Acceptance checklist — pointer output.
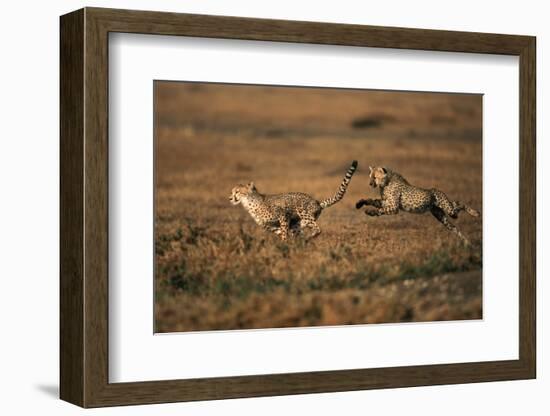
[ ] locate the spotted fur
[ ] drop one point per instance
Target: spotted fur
(397, 194)
(287, 213)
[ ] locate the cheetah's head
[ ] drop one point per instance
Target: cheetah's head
(241, 191)
(379, 176)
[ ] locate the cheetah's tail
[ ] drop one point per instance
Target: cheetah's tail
(343, 186)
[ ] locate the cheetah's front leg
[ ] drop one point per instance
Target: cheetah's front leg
(372, 202)
(283, 227)
(376, 212)
(384, 207)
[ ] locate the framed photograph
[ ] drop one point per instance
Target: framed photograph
(255, 207)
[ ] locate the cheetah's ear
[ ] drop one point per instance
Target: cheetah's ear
(370, 169)
(384, 170)
(251, 186)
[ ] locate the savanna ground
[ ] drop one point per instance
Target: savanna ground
(216, 269)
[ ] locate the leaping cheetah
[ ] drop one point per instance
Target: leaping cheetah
(292, 211)
(397, 194)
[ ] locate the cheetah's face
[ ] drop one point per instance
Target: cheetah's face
(241, 191)
(378, 176)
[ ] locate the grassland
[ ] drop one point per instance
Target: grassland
(215, 269)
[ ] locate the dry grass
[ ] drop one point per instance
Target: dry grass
(215, 269)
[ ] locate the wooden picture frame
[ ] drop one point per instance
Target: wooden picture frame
(84, 207)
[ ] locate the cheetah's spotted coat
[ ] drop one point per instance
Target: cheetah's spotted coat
(397, 194)
(289, 212)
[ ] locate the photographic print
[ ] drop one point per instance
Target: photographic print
(282, 206)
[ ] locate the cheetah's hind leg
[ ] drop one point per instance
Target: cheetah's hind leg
(310, 222)
(444, 219)
(451, 208)
(459, 206)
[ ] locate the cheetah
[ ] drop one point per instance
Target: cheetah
(289, 212)
(397, 194)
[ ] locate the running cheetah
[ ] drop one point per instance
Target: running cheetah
(289, 212)
(397, 194)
